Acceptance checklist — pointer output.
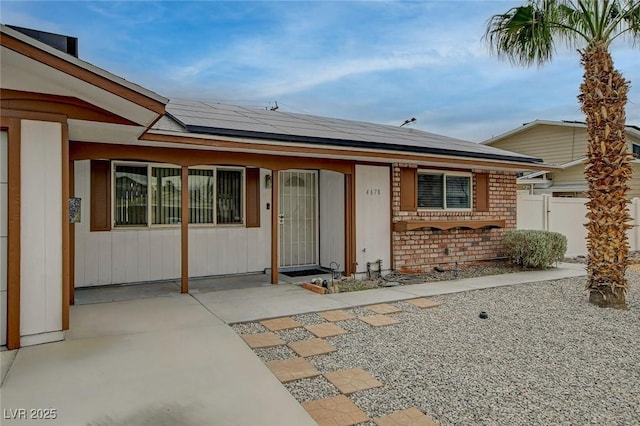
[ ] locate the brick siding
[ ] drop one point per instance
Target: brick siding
(423, 249)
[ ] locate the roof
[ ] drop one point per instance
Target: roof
(559, 166)
(199, 117)
(7, 31)
(631, 129)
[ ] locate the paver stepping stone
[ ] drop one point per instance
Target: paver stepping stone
(379, 320)
(326, 329)
(409, 417)
(280, 323)
(262, 340)
(335, 411)
(337, 315)
(311, 347)
(352, 380)
(292, 369)
(424, 303)
(383, 308)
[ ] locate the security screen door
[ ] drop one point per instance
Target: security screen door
(298, 218)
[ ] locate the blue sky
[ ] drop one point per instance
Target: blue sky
(382, 61)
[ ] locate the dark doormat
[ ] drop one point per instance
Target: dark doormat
(305, 272)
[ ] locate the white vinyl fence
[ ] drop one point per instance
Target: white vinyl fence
(568, 216)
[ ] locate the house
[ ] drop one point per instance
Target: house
(179, 189)
(563, 144)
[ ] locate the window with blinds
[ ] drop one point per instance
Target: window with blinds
(148, 193)
(229, 196)
(130, 195)
(166, 190)
(430, 191)
(444, 191)
(201, 201)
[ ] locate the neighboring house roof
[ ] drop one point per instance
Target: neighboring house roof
(631, 129)
(198, 117)
(559, 166)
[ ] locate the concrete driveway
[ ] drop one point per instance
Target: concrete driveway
(160, 361)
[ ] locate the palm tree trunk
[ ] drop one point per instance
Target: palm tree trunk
(603, 95)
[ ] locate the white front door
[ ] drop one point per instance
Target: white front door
(298, 218)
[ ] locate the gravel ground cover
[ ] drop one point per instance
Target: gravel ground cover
(394, 278)
(545, 356)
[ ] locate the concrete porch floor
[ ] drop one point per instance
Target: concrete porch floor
(173, 360)
(113, 293)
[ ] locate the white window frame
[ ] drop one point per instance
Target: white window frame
(444, 174)
(150, 225)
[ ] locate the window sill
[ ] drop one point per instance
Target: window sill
(447, 224)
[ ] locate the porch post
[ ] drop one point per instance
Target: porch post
(13, 231)
(275, 226)
(184, 229)
(66, 228)
(72, 238)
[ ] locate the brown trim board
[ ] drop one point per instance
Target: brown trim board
(195, 157)
(12, 126)
(54, 104)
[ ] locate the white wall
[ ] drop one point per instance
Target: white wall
(568, 216)
(531, 212)
(4, 144)
(41, 232)
(331, 218)
(373, 216)
(127, 256)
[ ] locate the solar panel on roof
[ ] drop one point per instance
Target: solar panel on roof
(213, 118)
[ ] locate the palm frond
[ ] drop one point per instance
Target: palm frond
(522, 35)
(526, 34)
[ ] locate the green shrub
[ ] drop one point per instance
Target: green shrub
(534, 249)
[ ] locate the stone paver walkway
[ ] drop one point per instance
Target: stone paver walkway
(336, 411)
(283, 323)
(409, 417)
(379, 320)
(288, 370)
(325, 330)
(311, 347)
(337, 315)
(352, 380)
